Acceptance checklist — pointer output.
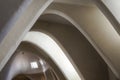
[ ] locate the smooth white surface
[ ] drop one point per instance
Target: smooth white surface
(93, 24)
(55, 53)
(114, 7)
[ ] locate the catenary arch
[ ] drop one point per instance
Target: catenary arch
(52, 49)
(72, 31)
(85, 34)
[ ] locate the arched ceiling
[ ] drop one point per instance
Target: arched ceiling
(96, 27)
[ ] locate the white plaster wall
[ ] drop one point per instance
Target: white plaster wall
(96, 28)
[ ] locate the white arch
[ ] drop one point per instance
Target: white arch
(88, 36)
(53, 50)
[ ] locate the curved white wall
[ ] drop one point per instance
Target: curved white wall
(96, 28)
(54, 51)
(88, 19)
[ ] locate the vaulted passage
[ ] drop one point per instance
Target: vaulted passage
(88, 61)
(28, 63)
(59, 40)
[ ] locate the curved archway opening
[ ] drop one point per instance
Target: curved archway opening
(55, 52)
(80, 50)
(83, 54)
(32, 63)
(99, 28)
